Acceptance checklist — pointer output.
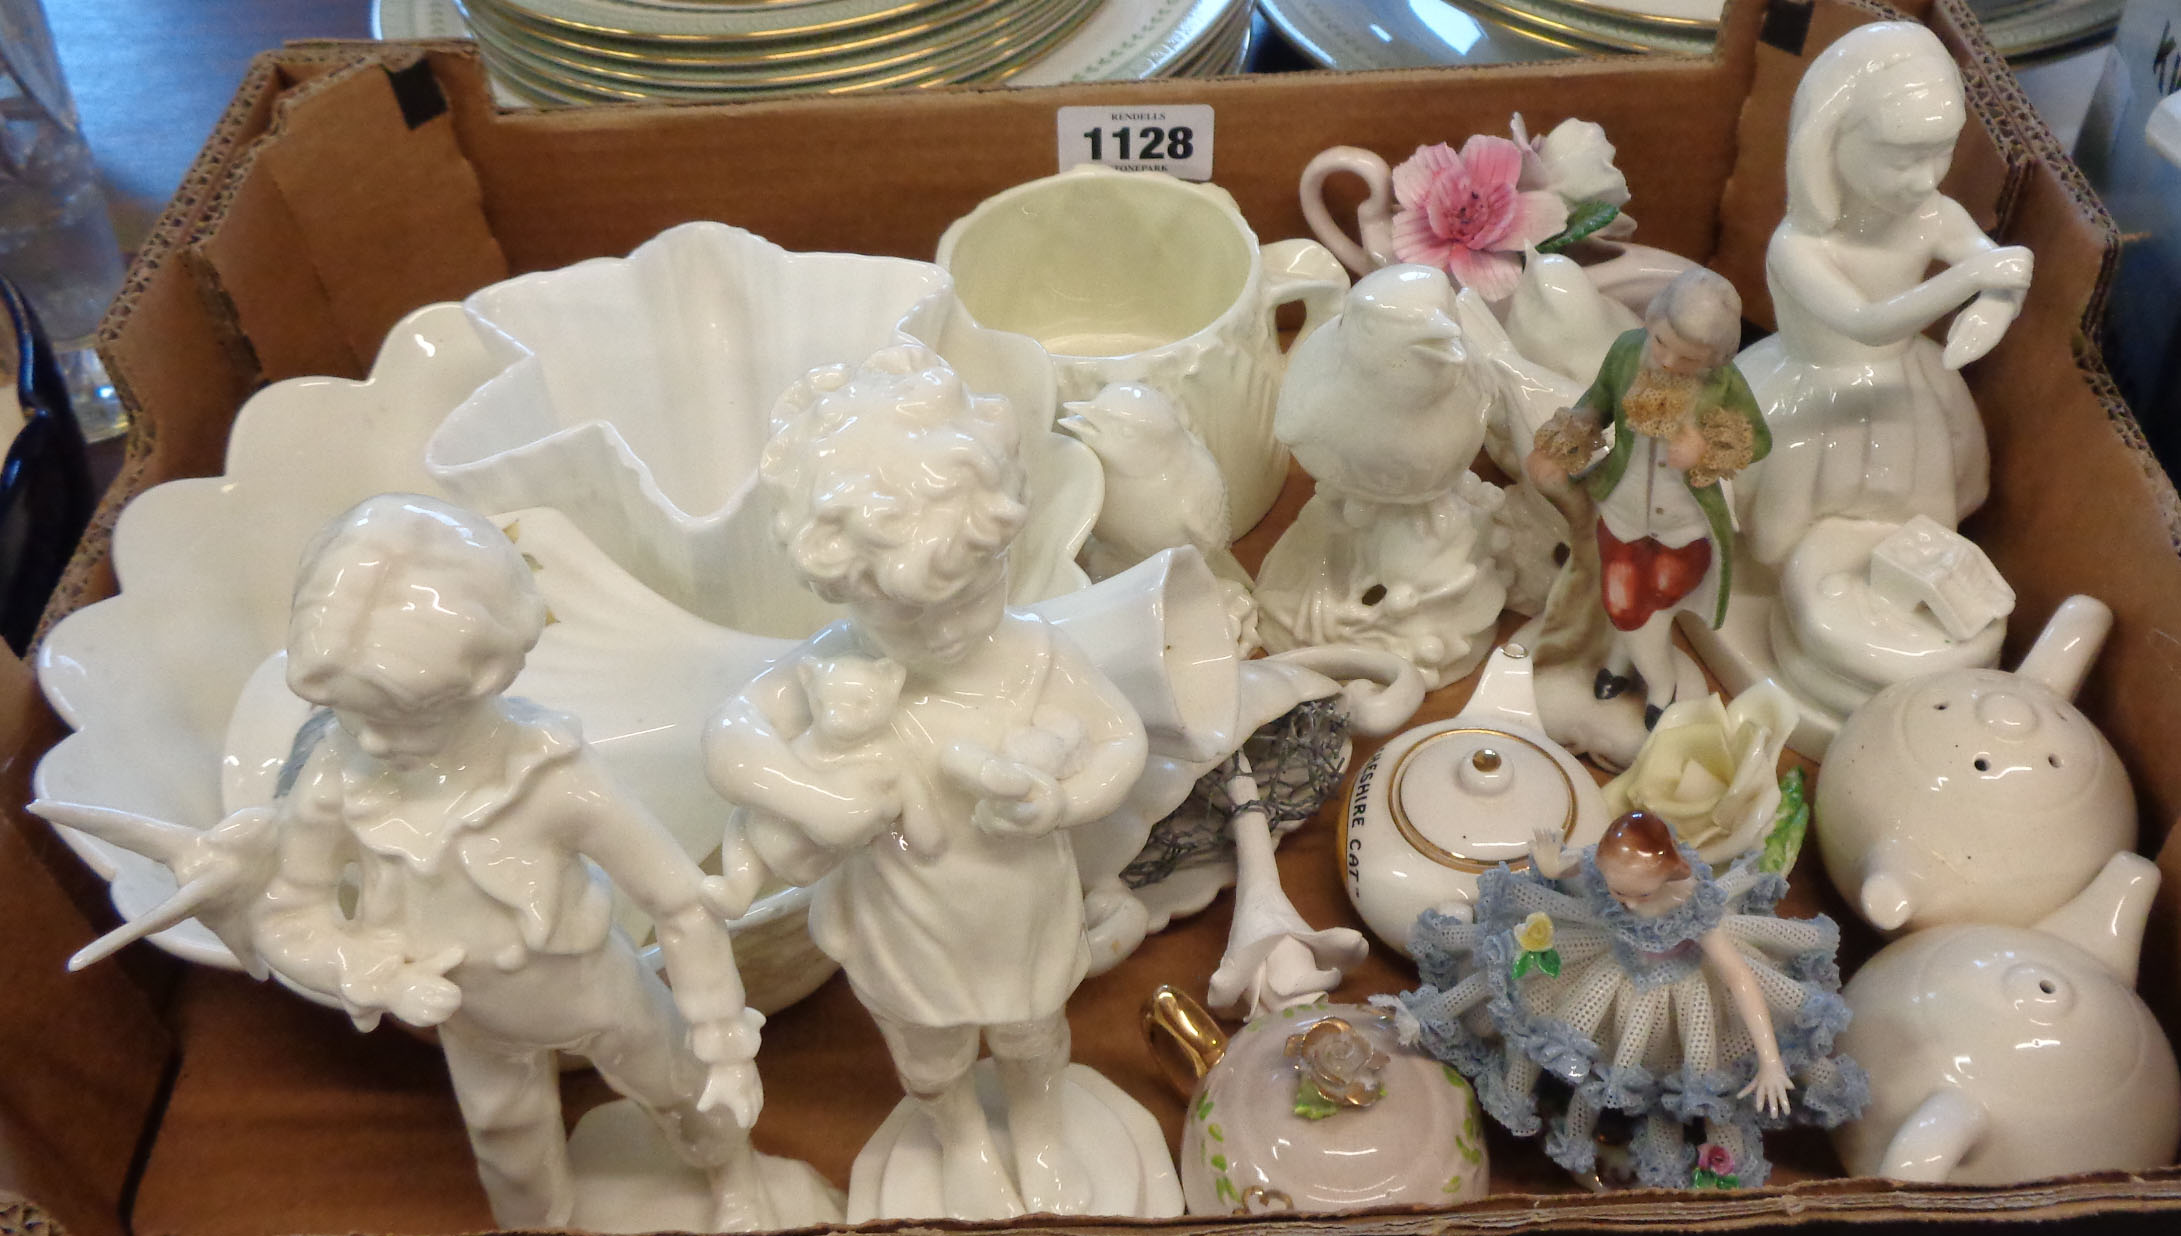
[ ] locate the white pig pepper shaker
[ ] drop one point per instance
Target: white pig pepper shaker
(1976, 795)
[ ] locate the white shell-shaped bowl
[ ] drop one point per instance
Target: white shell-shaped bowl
(635, 395)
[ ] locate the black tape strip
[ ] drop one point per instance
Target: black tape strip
(417, 91)
(1787, 25)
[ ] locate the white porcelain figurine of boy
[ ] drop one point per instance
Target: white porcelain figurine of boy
(481, 834)
(897, 493)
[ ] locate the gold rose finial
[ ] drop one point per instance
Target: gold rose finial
(1340, 1068)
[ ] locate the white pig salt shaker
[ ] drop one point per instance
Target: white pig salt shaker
(2001, 1054)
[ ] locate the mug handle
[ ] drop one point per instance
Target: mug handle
(1307, 271)
(1374, 218)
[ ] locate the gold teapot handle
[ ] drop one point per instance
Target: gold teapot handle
(1183, 1037)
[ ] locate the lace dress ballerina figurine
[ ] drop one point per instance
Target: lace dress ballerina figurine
(1637, 982)
(1683, 422)
(481, 835)
(897, 494)
(1870, 419)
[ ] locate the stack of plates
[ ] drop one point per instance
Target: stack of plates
(2026, 31)
(581, 51)
(1379, 34)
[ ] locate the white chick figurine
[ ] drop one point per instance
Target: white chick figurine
(1397, 549)
(1163, 491)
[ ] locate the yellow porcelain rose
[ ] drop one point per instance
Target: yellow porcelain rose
(1711, 770)
(1534, 938)
(1535, 933)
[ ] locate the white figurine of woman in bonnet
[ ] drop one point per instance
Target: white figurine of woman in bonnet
(1867, 416)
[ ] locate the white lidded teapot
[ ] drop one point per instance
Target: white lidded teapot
(1976, 795)
(1443, 803)
(2000, 1054)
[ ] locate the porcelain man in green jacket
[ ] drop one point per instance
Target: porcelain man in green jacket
(1683, 420)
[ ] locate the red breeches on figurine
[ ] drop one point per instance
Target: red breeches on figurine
(1640, 578)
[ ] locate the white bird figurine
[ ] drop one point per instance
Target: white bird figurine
(1522, 395)
(1163, 488)
(1397, 550)
(1559, 319)
(1379, 404)
(1163, 491)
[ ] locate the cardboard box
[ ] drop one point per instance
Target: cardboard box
(349, 184)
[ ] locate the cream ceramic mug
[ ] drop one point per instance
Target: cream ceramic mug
(1140, 277)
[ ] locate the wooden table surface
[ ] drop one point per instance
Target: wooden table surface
(150, 77)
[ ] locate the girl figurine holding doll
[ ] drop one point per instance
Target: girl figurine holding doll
(897, 493)
(1869, 419)
(1629, 978)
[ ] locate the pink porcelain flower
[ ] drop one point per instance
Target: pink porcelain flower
(1464, 213)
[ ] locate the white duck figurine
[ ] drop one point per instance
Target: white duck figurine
(1163, 488)
(1163, 491)
(1559, 319)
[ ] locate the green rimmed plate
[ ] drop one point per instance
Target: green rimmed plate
(1121, 39)
(1129, 39)
(509, 21)
(660, 21)
(991, 55)
(927, 50)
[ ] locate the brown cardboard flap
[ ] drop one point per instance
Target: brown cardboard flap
(337, 1131)
(388, 212)
(282, 1119)
(558, 184)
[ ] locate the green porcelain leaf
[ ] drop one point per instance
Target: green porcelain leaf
(1311, 1103)
(1789, 823)
(1583, 219)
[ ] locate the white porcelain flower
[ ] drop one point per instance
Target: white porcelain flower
(1575, 161)
(1712, 770)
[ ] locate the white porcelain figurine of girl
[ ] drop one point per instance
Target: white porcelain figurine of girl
(480, 836)
(897, 493)
(1868, 418)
